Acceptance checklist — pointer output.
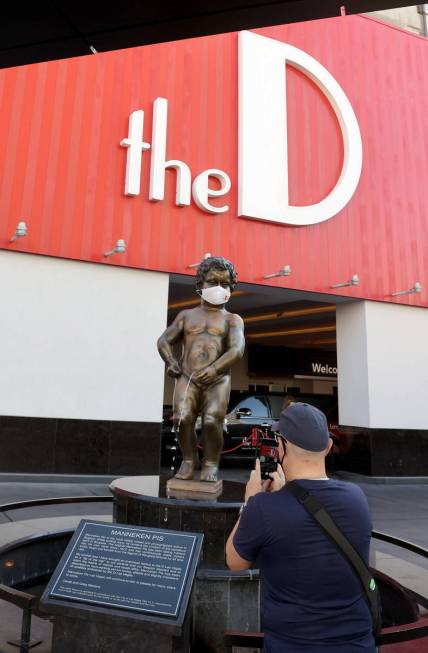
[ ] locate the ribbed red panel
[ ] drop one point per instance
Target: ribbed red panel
(63, 169)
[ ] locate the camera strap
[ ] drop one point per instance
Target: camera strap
(362, 571)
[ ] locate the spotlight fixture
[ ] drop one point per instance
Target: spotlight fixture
(353, 281)
(416, 288)
(195, 265)
(283, 272)
(119, 248)
(20, 231)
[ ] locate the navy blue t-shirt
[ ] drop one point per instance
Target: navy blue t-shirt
(311, 599)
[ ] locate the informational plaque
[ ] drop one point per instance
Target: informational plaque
(131, 567)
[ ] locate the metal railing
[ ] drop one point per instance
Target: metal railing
(33, 503)
(27, 602)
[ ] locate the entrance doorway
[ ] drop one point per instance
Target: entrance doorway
(290, 355)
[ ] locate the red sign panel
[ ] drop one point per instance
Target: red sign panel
(66, 141)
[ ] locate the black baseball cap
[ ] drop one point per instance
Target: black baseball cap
(303, 425)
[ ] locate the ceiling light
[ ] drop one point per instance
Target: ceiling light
(193, 302)
(321, 341)
(292, 332)
(292, 313)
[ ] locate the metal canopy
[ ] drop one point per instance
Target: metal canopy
(67, 28)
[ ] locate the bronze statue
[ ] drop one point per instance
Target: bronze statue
(213, 340)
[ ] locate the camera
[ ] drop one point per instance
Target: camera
(267, 450)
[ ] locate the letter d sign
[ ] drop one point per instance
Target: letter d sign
(263, 159)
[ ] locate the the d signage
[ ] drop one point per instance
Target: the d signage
(262, 147)
(263, 160)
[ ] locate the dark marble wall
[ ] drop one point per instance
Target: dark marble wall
(354, 453)
(215, 521)
(399, 452)
(67, 446)
(383, 452)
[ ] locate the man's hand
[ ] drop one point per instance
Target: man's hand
(277, 479)
(174, 369)
(255, 483)
(205, 376)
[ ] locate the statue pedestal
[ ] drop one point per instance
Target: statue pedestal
(198, 512)
(222, 599)
(177, 488)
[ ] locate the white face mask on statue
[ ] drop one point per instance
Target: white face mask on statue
(215, 295)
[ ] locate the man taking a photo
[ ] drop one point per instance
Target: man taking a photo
(311, 599)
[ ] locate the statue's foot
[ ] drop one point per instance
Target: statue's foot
(186, 471)
(209, 472)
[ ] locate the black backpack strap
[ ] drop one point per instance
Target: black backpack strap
(322, 517)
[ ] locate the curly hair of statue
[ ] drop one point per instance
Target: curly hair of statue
(215, 263)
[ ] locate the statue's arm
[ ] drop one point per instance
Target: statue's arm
(169, 337)
(235, 346)
(235, 351)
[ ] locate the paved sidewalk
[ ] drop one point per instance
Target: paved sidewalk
(399, 508)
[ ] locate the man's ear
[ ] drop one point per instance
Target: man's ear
(329, 446)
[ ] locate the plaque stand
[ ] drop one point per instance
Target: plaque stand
(79, 628)
(105, 603)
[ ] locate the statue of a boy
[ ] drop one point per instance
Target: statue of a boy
(213, 340)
